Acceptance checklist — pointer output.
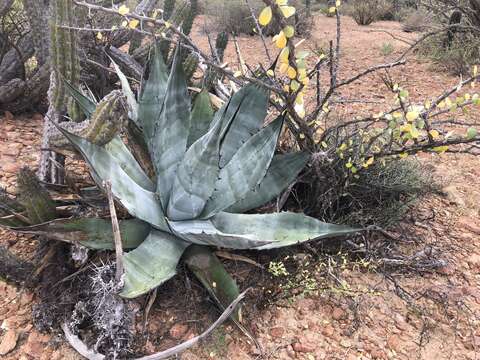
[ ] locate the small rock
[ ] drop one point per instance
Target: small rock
(9, 341)
(393, 343)
(11, 167)
(303, 347)
(338, 314)
(453, 195)
(328, 331)
(469, 224)
(277, 332)
(474, 261)
(345, 343)
(377, 354)
(291, 352)
(177, 331)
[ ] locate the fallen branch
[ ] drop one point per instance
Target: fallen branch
(83, 350)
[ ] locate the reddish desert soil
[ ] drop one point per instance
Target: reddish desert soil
(364, 314)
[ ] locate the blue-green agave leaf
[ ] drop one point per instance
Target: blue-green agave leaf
(171, 131)
(209, 270)
(200, 118)
(93, 233)
(203, 232)
(152, 263)
(249, 105)
(196, 176)
(281, 173)
(246, 169)
(281, 229)
(152, 95)
(128, 163)
(139, 202)
(127, 91)
(86, 104)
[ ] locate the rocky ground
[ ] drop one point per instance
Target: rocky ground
(345, 308)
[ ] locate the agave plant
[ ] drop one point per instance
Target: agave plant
(210, 168)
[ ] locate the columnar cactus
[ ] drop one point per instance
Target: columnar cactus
(109, 118)
(65, 62)
(106, 121)
(34, 198)
(221, 44)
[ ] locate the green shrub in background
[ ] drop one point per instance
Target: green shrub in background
(235, 17)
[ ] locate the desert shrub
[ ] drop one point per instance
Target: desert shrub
(457, 46)
(385, 10)
(458, 58)
(377, 194)
(386, 49)
(234, 16)
(364, 12)
(415, 21)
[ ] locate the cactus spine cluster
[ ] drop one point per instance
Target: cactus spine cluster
(65, 61)
(38, 204)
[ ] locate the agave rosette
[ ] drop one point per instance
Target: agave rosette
(210, 168)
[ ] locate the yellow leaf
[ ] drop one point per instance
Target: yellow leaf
(287, 11)
(289, 31)
(370, 161)
(412, 115)
(441, 104)
(294, 85)
(403, 155)
(270, 72)
(467, 97)
(99, 36)
(415, 133)
(406, 128)
(265, 16)
(291, 73)
(168, 24)
(440, 149)
(343, 147)
(302, 136)
(283, 68)
(284, 54)
(348, 165)
(124, 23)
(324, 144)
(302, 74)
(434, 134)
(475, 70)
(338, 3)
(237, 74)
(280, 40)
(133, 23)
(428, 104)
(332, 9)
(123, 10)
(281, 2)
(299, 99)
